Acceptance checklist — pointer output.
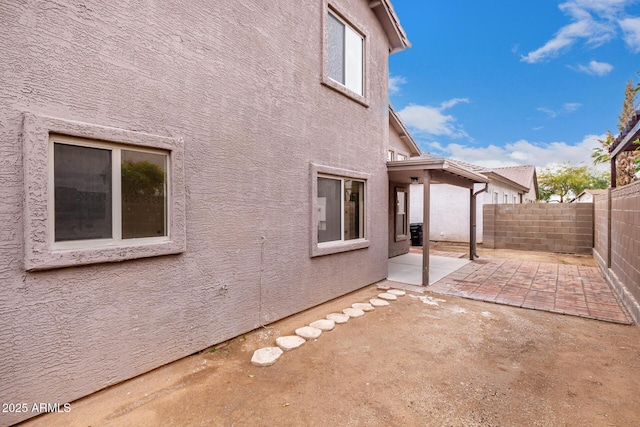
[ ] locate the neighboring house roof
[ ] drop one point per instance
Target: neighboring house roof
(590, 191)
(383, 10)
(523, 178)
(403, 132)
(523, 175)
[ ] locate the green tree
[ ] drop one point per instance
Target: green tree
(142, 178)
(568, 181)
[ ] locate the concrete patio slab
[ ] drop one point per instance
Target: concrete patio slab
(407, 268)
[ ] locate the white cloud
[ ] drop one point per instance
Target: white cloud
(592, 21)
(429, 120)
(631, 29)
(570, 107)
(549, 112)
(594, 68)
(523, 152)
(394, 84)
(567, 107)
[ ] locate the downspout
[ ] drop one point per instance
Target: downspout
(472, 232)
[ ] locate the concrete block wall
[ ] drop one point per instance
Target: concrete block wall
(617, 249)
(563, 227)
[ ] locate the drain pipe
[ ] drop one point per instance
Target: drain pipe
(472, 231)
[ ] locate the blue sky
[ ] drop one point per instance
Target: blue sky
(504, 82)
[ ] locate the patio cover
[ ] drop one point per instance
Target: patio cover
(624, 142)
(429, 170)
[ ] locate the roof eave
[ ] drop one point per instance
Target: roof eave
(383, 10)
(403, 132)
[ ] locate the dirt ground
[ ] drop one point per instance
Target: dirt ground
(414, 363)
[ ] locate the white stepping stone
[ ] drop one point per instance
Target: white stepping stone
(266, 356)
(353, 312)
(308, 332)
(379, 302)
(338, 317)
(396, 292)
(290, 342)
(387, 296)
(364, 306)
(323, 324)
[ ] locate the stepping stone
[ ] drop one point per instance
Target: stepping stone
(323, 324)
(364, 306)
(396, 292)
(308, 332)
(353, 312)
(378, 302)
(338, 317)
(388, 296)
(290, 342)
(266, 356)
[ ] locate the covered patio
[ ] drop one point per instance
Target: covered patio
(429, 170)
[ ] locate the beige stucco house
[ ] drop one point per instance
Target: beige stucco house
(175, 176)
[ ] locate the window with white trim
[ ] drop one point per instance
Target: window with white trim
(345, 52)
(340, 209)
(390, 155)
(96, 194)
(104, 193)
(402, 157)
(401, 214)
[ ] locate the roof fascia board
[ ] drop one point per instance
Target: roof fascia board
(435, 164)
(383, 10)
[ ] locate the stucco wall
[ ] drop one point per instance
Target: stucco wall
(553, 227)
(622, 246)
(397, 144)
(245, 96)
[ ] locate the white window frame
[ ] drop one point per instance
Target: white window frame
(337, 246)
(41, 252)
(400, 236)
(116, 195)
(401, 157)
(360, 96)
(390, 156)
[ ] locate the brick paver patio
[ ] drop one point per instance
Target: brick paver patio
(557, 288)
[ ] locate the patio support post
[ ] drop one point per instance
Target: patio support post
(426, 209)
(473, 235)
(614, 178)
(472, 224)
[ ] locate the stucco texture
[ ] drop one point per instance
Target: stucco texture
(245, 95)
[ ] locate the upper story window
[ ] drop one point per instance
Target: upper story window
(402, 157)
(390, 155)
(345, 54)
